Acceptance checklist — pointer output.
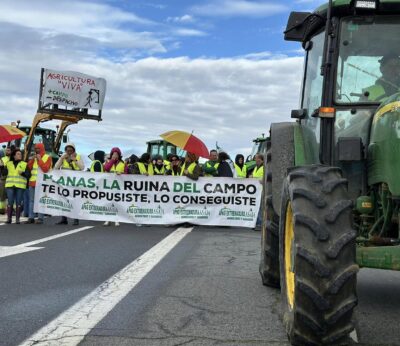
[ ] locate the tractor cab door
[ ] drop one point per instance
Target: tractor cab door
(312, 96)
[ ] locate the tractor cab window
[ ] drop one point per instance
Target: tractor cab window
(313, 80)
(369, 65)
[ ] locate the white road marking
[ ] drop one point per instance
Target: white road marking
(354, 336)
(71, 326)
(2, 224)
(21, 248)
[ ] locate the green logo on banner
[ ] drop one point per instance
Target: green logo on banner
(98, 209)
(138, 212)
(237, 214)
(186, 213)
(51, 203)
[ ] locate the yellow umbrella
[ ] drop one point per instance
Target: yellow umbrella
(186, 141)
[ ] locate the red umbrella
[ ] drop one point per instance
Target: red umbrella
(186, 141)
(9, 133)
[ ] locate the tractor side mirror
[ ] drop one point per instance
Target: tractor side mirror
(297, 26)
(299, 113)
(65, 138)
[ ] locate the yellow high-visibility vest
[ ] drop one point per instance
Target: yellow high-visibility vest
(120, 168)
(35, 167)
(15, 179)
(241, 172)
(143, 170)
(190, 169)
(159, 171)
(75, 167)
(167, 165)
(92, 166)
(208, 165)
(5, 159)
(258, 172)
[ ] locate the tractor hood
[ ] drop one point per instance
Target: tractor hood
(384, 148)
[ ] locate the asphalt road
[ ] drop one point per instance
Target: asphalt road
(204, 290)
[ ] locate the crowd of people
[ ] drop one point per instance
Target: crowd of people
(19, 177)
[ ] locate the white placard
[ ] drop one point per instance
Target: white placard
(73, 89)
(148, 200)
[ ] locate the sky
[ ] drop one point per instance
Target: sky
(219, 68)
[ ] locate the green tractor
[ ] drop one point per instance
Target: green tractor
(41, 135)
(163, 148)
(331, 200)
(258, 147)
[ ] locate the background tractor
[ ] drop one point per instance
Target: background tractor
(258, 147)
(331, 199)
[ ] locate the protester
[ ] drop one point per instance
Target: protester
(17, 174)
(144, 165)
(70, 160)
(40, 162)
(224, 168)
(97, 164)
(130, 164)
(115, 164)
(240, 167)
(191, 168)
(258, 173)
(167, 161)
(210, 168)
(3, 195)
(175, 167)
(159, 167)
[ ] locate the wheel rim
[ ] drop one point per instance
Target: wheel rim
(289, 237)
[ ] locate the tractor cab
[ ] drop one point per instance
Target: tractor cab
(163, 148)
(258, 147)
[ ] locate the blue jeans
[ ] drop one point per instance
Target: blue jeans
(31, 203)
(26, 203)
(14, 194)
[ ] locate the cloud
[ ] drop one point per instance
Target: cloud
(188, 32)
(229, 100)
(225, 100)
(86, 26)
(238, 8)
(187, 18)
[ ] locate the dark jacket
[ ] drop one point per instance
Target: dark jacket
(98, 156)
(224, 170)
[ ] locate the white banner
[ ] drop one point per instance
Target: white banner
(148, 200)
(73, 89)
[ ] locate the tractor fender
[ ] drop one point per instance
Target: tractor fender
(283, 153)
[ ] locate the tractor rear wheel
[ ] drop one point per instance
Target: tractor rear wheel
(317, 257)
(269, 263)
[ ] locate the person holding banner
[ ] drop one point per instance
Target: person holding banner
(17, 174)
(258, 173)
(144, 165)
(240, 167)
(224, 168)
(210, 168)
(175, 167)
(97, 164)
(191, 168)
(70, 160)
(159, 167)
(40, 162)
(115, 164)
(130, 164)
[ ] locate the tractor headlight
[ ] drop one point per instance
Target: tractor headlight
(366, 4)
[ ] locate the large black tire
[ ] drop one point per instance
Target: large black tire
(320, 262)
(269, 262)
